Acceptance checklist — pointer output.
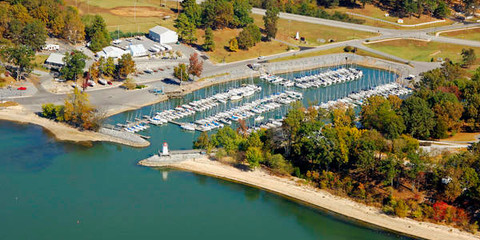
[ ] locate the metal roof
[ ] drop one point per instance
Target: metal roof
(160, 30)
(55, 58)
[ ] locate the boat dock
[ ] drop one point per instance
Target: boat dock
(159, 160)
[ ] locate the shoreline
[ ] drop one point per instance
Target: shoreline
(293, 188)
(60, 131)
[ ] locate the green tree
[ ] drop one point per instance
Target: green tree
(186, 29)
(209, 42)
(270, 21)
(193, 11)
(74, 65)
(377, 113)
(21, 57)
(254, 157)
(180, 72)
(34, 35)
(468, 57)
(108, 67)
(217, 14)
(249, 37)
(96, 32)
(126, 66)
(241, 13)
(442, 10)
(418, 117)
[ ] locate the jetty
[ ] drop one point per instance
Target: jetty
(164, 158)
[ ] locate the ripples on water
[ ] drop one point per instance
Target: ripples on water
(52, 190)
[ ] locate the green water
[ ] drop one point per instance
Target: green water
(52, 190)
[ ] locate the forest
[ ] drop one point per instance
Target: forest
(375, 157)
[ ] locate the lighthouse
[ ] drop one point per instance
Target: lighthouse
(165, 149)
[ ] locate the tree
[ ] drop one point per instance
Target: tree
(180, 72)
(94, 70)
(241, 13)
(126, 65)
(217, 14)
(186, 29)
(468, 57)
(74, 64)
(21, 57)
(196, 66)
(96, 32)
(270, 21)
(442, 10)
(203, 142)
(254, 157)
(249, 37)
(208, 43)
(74, 29)
(418, 117)
(193, 11)
(34, 35)
(79, 112)
(233, 45)
(108, 67)
(377, 113)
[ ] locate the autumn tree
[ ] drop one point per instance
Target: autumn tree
(21, 57)
(74, 29)
(209, 42)
(80, 113)
(180, 72)
(74, 65)
(233, 45)
(195, 67)
(126, 65)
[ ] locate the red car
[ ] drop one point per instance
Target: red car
(22, 88)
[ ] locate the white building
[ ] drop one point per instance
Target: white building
(110, 51)
(55, 61)
(163, 35)
(51, 47)
(137, 50)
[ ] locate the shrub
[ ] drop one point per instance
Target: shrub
(279, 165)
(401, 208)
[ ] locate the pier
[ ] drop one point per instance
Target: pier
(159, 160)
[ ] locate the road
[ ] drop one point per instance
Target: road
(117, 97)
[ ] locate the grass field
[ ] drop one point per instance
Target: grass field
(372, 11)
(121, 15)
(468, 34)
(420, 50)
(221, 54)
(328, 51)
(314, 34)
(38, 62)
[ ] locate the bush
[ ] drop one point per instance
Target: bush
(348, 49)
(401, 209)
(221, 153)
(129, 84)
(279, 165)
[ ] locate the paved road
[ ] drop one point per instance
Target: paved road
(117, 97)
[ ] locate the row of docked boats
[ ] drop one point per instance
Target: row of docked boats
(136, 127)
(322, 79)
(356, 98)
(244, 111)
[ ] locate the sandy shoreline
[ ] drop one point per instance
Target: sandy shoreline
(293, 189)
(62, 132)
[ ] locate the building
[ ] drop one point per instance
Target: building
(113, 52)
(162, 35)
(55, 61)
(51, 47)
(137, 50)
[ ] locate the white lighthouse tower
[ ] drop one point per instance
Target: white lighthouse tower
(165, 149)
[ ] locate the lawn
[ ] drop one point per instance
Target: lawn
(326, 52)
(375, 12)
(221, 54)
(420, 50)
(468, 34)
(314, 34)
(38, 62)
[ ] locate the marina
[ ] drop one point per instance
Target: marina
(263, 104)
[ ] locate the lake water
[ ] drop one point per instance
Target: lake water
(52, 190)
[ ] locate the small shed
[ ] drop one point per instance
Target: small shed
(55, 61)
(162, 35)
(137, 50)
(110, 51)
